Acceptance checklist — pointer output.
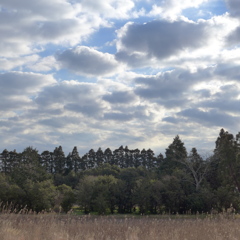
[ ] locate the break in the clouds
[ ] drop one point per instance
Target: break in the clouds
(118, 72)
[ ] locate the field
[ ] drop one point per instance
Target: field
(72, 227)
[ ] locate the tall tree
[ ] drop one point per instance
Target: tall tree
(227, 151)
(175, 153)
(119, 157)
(108, 156)
(73, 161)
(46, 159)
(136, 155)
(99, 157)
(30, 155)
(5, 161)
(59, 160)
(91, 159)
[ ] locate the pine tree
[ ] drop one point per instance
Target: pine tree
(59, 160)
(227, 153)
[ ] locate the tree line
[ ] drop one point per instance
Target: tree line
(124, 180)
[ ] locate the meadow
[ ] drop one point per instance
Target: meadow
(72, 227)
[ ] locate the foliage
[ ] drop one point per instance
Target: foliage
(124, 180)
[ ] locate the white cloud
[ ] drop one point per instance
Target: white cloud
(119, 9)
(172, 9)
(11, 63)
(44, 64)
(25, 26)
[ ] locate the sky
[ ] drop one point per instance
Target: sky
(91, 73)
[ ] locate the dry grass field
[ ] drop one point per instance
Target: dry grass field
(71, 227)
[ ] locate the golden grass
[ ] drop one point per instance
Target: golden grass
(70, 227)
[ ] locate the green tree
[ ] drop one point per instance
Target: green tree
(5, 161)
(99, 157)
(156, 199)
(30, 156)
(173, 195)
(9, 191)
(142, 194)
(127, 183)
(47, 161)
(84, 193)
(39, 195)
(73, 161)
(104, 194)
(108, 155)
(175, 153)
(64, 198)
(59, 160)
(227, 153)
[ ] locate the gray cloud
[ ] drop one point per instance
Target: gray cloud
(161, 39)
(53, 8)
(167, 88)
(86, 61)
(225, 100)
(21, 83)
(209, 118)
(73, 96)
(118, 116)
(135, 60)
(234, 37)
(171, 120)
(59, 121)
(91, 108)
(17, 88)
(65, 92)
(121, 97)
(234, 7)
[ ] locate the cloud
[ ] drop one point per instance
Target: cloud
(11, 63)
(73, 96)
(230, 71)
(119, 9)
(120, 97)
(170, 88)
(234, 7)
(160, 39)
(27, 27)
(44, 64)
(178, 44)
(41, 8)
(234, 37)
(118, 116)
(21, 83)
(172, 9)
(152, 79)
(86, 61)
(225, 100)
(209, 118)
(18, 88)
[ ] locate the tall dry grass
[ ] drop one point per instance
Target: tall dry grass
(69, 227)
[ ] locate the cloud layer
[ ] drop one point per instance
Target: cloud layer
(163, 68)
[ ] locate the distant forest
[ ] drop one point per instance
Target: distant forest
(124, 180)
